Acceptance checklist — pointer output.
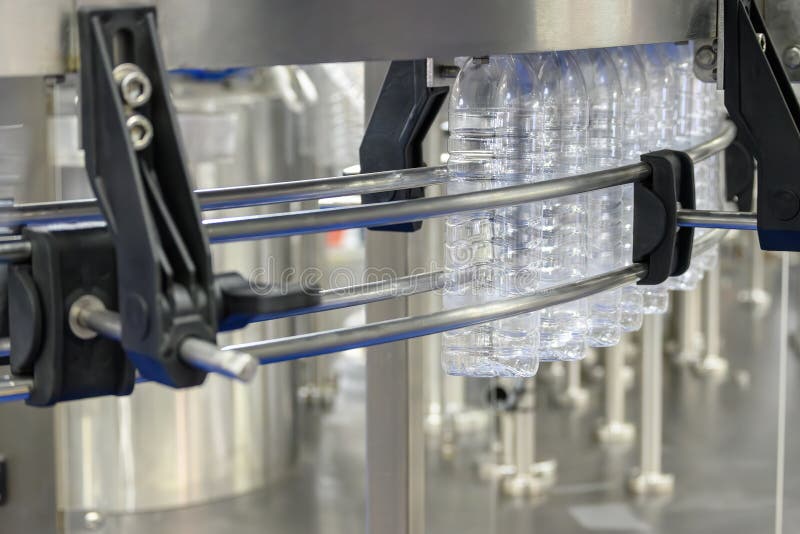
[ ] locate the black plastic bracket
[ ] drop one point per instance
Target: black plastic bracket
(240, 304)
(166, 286)
(403, 114)
(740, 173)
(43, 346)
(658, 242)
(762, 104)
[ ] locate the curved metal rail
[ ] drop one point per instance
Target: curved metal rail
(304, 222)
(318, 343)
(240, 196)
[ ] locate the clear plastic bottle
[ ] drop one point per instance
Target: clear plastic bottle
(515, 250)
(691, 126)
(561, 223)
(634, 131)
(605, 213)
(661, 134)
(486, 145)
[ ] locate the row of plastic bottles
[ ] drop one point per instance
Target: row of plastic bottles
(517, 119)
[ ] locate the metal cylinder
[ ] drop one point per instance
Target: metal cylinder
(688, 316)
(614, 428)
(712, 364)
(649, 479)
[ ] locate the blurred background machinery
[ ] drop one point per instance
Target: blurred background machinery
(317, 445)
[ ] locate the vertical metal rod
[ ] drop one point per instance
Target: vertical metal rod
(574, 395)
(713, 364)
(652, 380)
(615, 429)
(649, 479)
(530, 477)
(756, 295)
(690, 335)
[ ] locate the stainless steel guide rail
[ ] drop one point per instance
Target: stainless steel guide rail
(240, 196)
(107, 323)
(304, 222)
(318, 343)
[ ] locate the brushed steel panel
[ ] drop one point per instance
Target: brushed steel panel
(38, 36)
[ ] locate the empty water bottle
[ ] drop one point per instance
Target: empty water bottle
(605, 214)
(561, 224)
(660, 134)
(487, 252)
(634, 131)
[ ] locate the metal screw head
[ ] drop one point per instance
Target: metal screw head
(705, 57)
(791, 57)
(84, 302)
(141, 131)
(134, 85)
(762, 41)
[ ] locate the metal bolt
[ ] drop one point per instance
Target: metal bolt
(134, 85)
(140, 130)
(705, 57)
(76, 325)
(791, 57)
(762, 41)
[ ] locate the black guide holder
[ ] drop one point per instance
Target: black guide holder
(41, 292)
(403, 114)
(135, 162)
(740, 174)
(165, 283)
(762, 104)
(658, 242)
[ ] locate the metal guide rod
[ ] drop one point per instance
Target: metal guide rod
(196, 352)
(335, 298)
(731, 220)
(305, 222)
(241, 196)
(422, 325)
(317, 343)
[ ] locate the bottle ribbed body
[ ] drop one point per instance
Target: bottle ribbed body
(489, 254)
(633, 83)
(562, 224)
(605, 206)
(661, 130)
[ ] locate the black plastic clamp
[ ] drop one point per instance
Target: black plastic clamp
(658, 242)
(403, 114)
(44, 346)
(762, 103)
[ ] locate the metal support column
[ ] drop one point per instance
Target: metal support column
(530, 478)
(574, 395)
(712, 364)
(648, 479)
(756, 295)
(614, 428)
(688, 314)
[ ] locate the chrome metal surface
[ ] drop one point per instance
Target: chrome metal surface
(84, 302)
(195, 352)
(14, 249)
(716, 144)
(730, 220)
(614, 428)
(712, 363)
(241, 196)
(407, 327)
(5, 347)
(688, 316)
(40, 36)
(14, 387)
(267, 226)
(134, 85)
(649, 478)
